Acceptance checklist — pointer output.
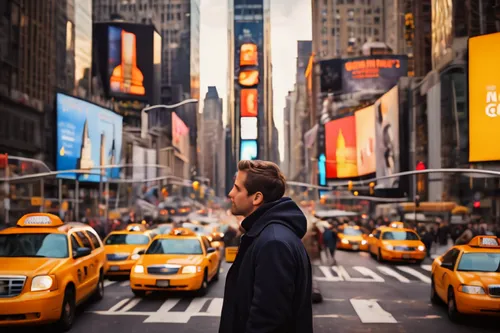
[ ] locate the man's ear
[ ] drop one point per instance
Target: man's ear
(258, 199)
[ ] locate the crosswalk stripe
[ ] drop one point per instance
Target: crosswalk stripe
(370, 312)
(215, 306)
(130, 305)
(162, 315)
(415, 273)
(118, 305)
(108, 283)
(125, 284)
(368, 272)
(327, 272)
(393, 273)
(426, 267)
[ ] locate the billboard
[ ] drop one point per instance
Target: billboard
(442, 33)
(365, 140)
(180, 135)
(88, 136)
(387, 137)
(248, 150)
(484, 98)
(249, 103)
(340, 148)
(249, 55)
(373, 74)
(249, 128)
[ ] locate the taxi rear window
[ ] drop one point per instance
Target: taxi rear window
(399, 235)
(175, 246)
(352, 232)
(127, 239)
(34, 245)
(479, 262)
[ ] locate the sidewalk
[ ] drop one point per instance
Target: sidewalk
(439, 250)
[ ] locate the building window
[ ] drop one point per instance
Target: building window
(376, 20)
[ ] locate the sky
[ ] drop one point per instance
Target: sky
(290, 21)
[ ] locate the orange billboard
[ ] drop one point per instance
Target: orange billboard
(249, 78)
(484, 98)
(249, 102)
(365, 140)
(249, 55)
(340, 148)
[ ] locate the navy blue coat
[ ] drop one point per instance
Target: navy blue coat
(269, 286)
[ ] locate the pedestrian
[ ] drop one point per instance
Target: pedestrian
(269, 286)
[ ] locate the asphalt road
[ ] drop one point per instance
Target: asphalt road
(360, 295)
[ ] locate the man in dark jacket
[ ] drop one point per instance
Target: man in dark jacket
(268, 287)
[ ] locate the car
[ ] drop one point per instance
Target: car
(351, 238)
(396, 244)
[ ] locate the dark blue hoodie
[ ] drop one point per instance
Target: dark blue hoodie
(268, 288)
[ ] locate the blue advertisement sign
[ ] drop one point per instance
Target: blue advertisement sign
(248, 150)
(88, 136)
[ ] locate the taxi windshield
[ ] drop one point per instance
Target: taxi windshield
(399, 235)
(127, 239)
(34, 245)
(479, 262)
(175, 246)
(352, 232)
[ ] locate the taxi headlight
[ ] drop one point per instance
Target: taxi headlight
(389, 247)
(139, 269)
(363, 242)
(345, 241)
(135, 256)
(475, 290)
(190, 269)
(41, 283)
(421, 248)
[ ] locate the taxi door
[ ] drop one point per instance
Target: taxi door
(442, 274)
(373, 242)
(212, 258)
(96, 250)
(86, 267)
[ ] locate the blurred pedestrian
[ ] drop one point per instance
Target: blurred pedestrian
(269, 286)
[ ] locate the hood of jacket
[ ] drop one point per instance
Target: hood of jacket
(283, 211)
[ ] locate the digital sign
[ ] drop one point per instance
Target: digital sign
(248, 78)
(249, 102)
(88, 136)
(248, 150)
(249, 55)
(249, 129)
(365, 140)
(484, 98)
(340, 148)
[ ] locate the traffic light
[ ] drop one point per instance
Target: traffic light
(477, 204)
(196, 185)
(349, 185)
(372, 188)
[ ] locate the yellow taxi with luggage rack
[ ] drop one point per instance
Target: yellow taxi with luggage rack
(180, 261)
(47, 268)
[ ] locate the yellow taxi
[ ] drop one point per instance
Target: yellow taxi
(180, 260)
(136, 227)
(396, 244)
(397, 224)
(122, 248)
(47, 268)
(351, 238)
(467, 278)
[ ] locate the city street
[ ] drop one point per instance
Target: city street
(360, 295)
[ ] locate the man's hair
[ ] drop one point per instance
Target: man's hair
(265, 177)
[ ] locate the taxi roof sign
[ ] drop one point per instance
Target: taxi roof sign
(397, 225)
(485, 241)
(182, 232)
(40, 220)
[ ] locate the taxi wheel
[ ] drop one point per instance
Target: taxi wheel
(434, 296)
(68, 311)
(204, 285)
(139, 293)
(453, 313)
(99, 291)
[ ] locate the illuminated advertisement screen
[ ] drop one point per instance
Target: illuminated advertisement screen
(484, 102)
(249, 55)
(365, 140)
(249, 128)
(340, 148)
(249, 105)
(248, 150)
(248, 78)
(88, 136)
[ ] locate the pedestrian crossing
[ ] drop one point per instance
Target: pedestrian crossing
(377, 274)
(182, 310)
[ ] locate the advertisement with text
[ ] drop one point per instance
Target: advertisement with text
(340, 148)
(365, 140)
(484, 98)
(88, 136)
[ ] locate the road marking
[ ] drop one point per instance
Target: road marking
(333, 299)
(163, 315)
(125, 284)
(426, 267)
(118, 305)
(130, 305)
(327, 316)
(215, 306)
(374, 277)
(393, 273)
(426, 317)
(370, 312)
(108, 283)
(415, 273)
(328, 276)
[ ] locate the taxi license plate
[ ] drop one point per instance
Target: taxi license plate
(355, 247)
(114, 268)
(162, 283)
(406, 256)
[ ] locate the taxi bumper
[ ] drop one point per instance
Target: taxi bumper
(119, 268)
(393, 255)
(31, 308)
(477, 304)
(181, 282)
(353, 245)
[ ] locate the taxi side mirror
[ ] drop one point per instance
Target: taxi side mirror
(211, 250)
(81, 252)
(447, 265)
(141, 252)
